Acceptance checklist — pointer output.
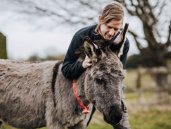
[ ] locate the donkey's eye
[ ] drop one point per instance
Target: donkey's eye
(100, 81)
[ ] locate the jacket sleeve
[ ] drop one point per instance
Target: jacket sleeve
(123, 57)
(72, 68)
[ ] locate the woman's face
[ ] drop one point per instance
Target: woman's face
(109, 30)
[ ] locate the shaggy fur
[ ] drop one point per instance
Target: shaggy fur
(34, 95)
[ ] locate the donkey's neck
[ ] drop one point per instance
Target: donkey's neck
(80, 87)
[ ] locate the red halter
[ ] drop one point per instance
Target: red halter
(85, 109)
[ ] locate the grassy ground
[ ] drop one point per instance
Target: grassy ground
(153, 118)
(143, 111)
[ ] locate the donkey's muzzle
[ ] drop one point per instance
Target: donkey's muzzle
(114, 116)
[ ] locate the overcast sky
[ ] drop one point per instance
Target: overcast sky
(24, 39)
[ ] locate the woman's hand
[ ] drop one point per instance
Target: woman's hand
(87, 62)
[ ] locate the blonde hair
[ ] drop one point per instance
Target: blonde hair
(111, 11)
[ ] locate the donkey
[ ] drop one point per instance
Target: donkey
(34, 95)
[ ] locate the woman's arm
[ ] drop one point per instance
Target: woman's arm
(71, 67)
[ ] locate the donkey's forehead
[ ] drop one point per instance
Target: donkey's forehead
(108, 66)
(104, 72)
(110, 60)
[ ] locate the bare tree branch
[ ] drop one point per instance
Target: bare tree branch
(150, 19)
(156, 4)
(161, 8)
(136, 40)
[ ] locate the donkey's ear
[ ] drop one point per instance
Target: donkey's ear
(89, 49)
(118, 43)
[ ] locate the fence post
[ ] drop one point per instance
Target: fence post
(3, 49)
(169, 74)
(138, 85)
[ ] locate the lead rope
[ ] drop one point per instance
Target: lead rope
(85, 109)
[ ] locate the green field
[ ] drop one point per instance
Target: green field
(151, 118)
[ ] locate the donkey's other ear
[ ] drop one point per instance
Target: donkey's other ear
(89, 49)
(118, 43)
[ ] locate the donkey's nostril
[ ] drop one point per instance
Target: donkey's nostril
(115, 110)
(115, 114)
(116, 119)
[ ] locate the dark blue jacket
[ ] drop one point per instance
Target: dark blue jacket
(71, 67)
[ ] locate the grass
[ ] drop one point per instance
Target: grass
(97, 126)
(130, 75)
(151, 119)
(147, 81)
(134, 97)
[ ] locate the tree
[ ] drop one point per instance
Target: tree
(55, 12)
(154, 18)
(153, 15)
(152, 21)
(136, 60)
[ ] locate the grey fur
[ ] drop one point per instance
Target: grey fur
(28, 99)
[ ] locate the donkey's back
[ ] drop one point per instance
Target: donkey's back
(24, 88)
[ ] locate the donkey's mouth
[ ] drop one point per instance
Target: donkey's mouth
(114, 116)
(113, 120)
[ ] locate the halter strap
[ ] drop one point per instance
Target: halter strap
(85, 109)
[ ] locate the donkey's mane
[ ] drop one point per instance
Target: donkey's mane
(55, 73)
